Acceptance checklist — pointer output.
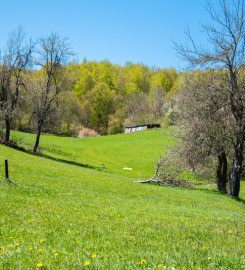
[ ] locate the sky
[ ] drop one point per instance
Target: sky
(139, 31)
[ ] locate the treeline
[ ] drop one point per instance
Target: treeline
(111, 96)
(105, 97)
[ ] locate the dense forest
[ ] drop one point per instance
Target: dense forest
(104, 97)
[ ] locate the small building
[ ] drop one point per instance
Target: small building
(131, 129)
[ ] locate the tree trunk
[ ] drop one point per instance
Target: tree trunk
(39, 129)
(236, 169)
(237, 109)
(7, 129)
(238, 112)
(224, 172)
(221, 172)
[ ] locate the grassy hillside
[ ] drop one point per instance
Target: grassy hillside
(139, 151)
(62, 216)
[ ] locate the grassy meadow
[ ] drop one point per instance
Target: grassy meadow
(139, 151)
(77, 208)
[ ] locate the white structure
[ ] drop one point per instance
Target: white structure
(131, 129)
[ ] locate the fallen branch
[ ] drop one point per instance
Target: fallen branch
(170, 182)
(166, 182)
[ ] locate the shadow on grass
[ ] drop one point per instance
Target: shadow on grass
(71, 162)
(238, 199)
(215, 191)
(193, 187)
(226, 195)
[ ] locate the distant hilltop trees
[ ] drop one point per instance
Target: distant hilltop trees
(53, 95)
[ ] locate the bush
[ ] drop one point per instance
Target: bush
(87, 132)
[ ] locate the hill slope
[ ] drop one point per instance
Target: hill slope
(139, 151)
(63, 216)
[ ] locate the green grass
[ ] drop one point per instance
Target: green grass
(76, 212)
(139, 151)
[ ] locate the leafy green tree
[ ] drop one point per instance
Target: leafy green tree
(101, 101)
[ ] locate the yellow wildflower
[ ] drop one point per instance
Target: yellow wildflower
(161, 266)
(40, 265)
(142, 262)
(42, 241)
(93, 256)
(40, 250)
(87, 263)
(30, 248)
(56, 254)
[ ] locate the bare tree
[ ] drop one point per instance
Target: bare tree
(157, 103)
(14, 62)
(208, 123)
(138, 109)
(225, 51)
(53, 51)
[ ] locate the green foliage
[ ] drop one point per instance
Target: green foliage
(123, 83)
(109, 96)
(164, 79)
(116, 121)
(101, 105)
(138, 79)
(66, 119)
